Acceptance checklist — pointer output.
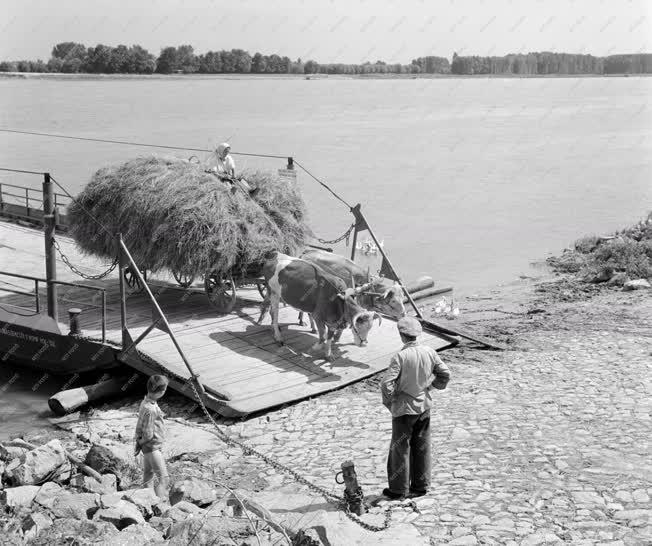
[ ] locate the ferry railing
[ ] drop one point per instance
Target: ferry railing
(26, 203)
(37, 295)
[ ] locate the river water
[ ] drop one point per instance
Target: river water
(465, 179)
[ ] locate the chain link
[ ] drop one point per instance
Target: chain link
(74, 269)
(345, 235)
(340, 502)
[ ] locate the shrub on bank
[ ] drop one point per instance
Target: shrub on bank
(598, 259)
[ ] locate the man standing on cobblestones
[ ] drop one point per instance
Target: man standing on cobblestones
(412, 373)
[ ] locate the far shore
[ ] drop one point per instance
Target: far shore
(88, 76)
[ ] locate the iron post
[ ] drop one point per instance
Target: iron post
(352, 490)
(49, 228)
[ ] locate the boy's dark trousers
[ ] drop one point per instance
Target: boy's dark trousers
(408, 464)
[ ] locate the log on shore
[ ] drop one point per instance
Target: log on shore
(428, 293)
(69, 400)
(422, 283)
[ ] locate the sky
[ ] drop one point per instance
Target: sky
(350, 31)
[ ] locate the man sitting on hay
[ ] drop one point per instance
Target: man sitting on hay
(224, 169)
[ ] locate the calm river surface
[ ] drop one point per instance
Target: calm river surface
(466, 180)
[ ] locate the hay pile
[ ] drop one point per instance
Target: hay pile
(173, 215)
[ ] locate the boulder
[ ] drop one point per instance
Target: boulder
(636, 284)
(144, 499)
(112, 458)
(618, 279)
(182, 510)
(193, 490)
(18, 497)
(91, 485)
(205, 530)
(47, 494)
(38, 464)
(34, 523)
(110, 499)
(75, 505)
(122, 514)
(162, 506)
(9, 452)
(161, 524)
(603, 275)
(137, 535)
(75, 531)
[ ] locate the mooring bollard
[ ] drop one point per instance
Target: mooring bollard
(73, 315)
(352, 490)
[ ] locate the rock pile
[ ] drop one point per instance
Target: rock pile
(45, 500)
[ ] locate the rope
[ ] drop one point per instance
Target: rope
(130, 143)
(322, 183)
(19, 171)
(168, 147)
(82, 207)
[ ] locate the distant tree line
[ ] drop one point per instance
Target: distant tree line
(72, 57)
(553, 63)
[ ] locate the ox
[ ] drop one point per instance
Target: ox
(379, 297)
(307, 287)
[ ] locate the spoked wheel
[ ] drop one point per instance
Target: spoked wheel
(183, 280)
(132, 281)
(220, 290)
(262, 287)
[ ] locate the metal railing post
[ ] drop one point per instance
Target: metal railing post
(38, 297)
(103, 316)
(126, 339)
(49, 228)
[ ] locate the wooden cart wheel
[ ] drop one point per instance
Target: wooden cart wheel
(132, 281)
(220, 290)
(262, 287)
(183, 280)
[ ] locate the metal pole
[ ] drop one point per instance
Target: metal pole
(132, 264)
(123, 294)
(49, 228)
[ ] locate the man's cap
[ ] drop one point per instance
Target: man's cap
(409, 326)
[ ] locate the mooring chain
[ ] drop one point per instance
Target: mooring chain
(335, 500)
(345, 235)
(74, 269)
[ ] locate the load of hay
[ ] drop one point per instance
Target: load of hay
(173, 215)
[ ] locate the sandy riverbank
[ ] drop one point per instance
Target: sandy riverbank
(546, 442)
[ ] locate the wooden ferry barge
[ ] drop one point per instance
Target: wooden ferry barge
(52, 322)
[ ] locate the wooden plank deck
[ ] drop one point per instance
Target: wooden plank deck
(232, 354)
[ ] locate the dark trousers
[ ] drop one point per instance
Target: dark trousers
(409, 464)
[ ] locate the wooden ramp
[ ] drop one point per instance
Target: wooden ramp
(240, 365)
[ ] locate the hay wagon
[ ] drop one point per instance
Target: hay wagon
(220, 287)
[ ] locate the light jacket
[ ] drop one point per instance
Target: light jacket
(412, 373)
(150, 428)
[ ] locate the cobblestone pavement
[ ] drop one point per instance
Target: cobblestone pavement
(545, 443)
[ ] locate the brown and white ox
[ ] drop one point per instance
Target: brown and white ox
(378, 296)
(308, 288)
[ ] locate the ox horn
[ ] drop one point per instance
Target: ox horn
(377, 316)
(363, 288)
